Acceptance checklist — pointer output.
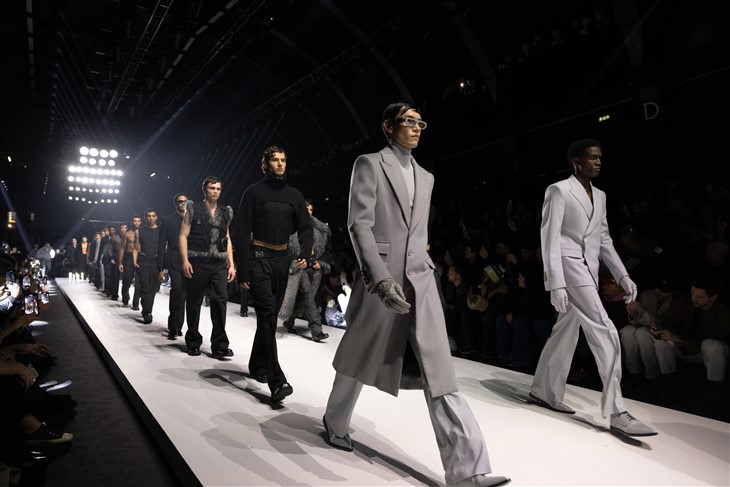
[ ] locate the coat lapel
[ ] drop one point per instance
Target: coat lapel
(577, 190)
(395, 177)
(420, 199)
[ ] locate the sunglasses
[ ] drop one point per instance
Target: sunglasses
(180, 202)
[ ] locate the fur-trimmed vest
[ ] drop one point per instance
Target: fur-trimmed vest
(321, 236)
(207, 238)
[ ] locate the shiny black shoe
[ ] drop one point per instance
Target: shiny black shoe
(147, 319)
(281, 391)
(244, 314)
(222, 353)
(179, 333)
(135, 308)
(172, 335)
(193, 352)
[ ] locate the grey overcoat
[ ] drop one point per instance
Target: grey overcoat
(390, 240)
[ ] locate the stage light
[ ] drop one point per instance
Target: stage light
(104, 153)
(71, 179)
(111, 162)
(93, 152)
(84, 151)
(83, 159)
(92, 161)
(102, 162)
(113, 153)
(70, 198)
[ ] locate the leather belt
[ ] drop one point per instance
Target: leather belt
(267, 245)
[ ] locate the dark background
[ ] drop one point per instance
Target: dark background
(192, 88)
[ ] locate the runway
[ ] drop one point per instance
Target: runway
(217, 426)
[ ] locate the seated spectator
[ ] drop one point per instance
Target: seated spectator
(650, 307)
(529, 309)
(696, 330)
(455, 292)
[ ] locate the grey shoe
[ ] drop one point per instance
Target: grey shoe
(339, 442)
(627, 424)
(558, 407)
(483, 481)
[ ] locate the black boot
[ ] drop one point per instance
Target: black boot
(317, 334)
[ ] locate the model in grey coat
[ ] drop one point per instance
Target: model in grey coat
(395, 304)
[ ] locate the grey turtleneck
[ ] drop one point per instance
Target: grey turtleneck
(404, 159)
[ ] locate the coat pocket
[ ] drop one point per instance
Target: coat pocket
(383, 250)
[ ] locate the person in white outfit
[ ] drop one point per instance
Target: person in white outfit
(574, 235)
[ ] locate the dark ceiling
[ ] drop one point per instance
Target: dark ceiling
(191, 88)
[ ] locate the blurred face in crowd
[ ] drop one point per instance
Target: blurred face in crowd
(122, 228)
(136, 222)
(310, 209)
(180, 204)
(700, 298)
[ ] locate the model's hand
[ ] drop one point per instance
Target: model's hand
(628, 285)
(559, 299)
(188, 270)
(302, 263)
(391, 294)
(121, 267)
(231, 273)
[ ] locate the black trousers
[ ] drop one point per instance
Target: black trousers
(269, 276)
(211, 274)
(111, 276)
(149, 280)
(177, 301)
(130, 274)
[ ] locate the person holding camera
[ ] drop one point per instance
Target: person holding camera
(269, 212)
(207, 257)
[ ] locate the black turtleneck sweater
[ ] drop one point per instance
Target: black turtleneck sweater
(270, 211)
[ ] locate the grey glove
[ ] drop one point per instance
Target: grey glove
(628, 285)
(559, 299)
(391, 294)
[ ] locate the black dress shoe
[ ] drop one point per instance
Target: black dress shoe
(222, 353)
(172, 335)
(193, 352)
(179, 333)
(281, 391)
(244, 314)
(135, 308)
(147, 319)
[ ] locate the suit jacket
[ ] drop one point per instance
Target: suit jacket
(575, 238)
(168, 254)
(390, 240)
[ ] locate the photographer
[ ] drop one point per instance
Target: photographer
(207, 256)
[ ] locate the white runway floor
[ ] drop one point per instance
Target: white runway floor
(222, 425)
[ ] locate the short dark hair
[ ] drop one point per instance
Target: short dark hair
(110, 226)
(210, 180)
(135, 216)
(711, 284)
(578, 147)
(174, 198)
(149, 210)
(309, 203)
(268, 154)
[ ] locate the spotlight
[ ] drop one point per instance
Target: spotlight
(92, 161)
(113, 153)
(104, 153)
(84, 151)
(83, 159)
(93, 152)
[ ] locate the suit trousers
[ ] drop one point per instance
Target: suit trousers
(458, 436)
(177, 301)
(130, 275)
(269, 277)
(211, 275)
(149, 281)
(585, 311)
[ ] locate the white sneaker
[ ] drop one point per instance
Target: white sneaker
(629, 425)
(483, 481)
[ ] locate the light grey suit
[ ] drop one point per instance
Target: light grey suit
(390, 241)
(574, 236)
